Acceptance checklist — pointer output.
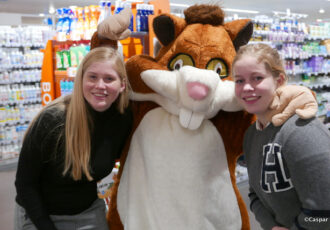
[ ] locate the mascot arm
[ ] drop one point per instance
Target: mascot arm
(112, 29)
(97, 42)
(290, 100)
(262, 214)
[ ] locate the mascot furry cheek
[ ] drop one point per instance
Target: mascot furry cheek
(178, 168)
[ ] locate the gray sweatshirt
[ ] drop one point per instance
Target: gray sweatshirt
(289, 170)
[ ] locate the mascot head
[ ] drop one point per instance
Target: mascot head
(190, 76)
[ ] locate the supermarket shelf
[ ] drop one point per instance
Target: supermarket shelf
(23, 45)
(312, 85)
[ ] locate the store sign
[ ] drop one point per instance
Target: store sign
(47, 75)
(45, 92)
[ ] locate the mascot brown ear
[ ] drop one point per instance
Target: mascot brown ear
(167, 27)
(240, 31)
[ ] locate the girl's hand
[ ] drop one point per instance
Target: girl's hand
(279, 228)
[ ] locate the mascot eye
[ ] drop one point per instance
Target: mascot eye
(219, 66)
(178, 64)
(180, 60)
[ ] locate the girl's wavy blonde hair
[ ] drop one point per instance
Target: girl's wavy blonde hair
(78, 124)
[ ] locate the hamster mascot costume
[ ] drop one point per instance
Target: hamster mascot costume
(178, 168)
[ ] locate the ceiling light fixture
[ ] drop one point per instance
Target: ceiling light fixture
(179, 5)
(241, 11)
(51, 10)
(321, 11)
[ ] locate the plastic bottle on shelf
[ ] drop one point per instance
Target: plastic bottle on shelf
(80, 23)
(59, 60)
(87, 34)
(119, 6)
(71, 86)
(60, 32)
(145, 16)
(74, 30)
(73, 56)
(66, 59)
(102, 8)
(5, 77)
(142, 18)
(62, 87)
(93, 19)
(108, 9)
(6, 94)
(59, 15)
(138, 18)
(66, 26)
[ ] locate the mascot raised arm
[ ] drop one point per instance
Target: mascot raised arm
(178, 168)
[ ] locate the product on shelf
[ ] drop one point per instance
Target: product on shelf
(66, 87)
(142, 15)
(103, 11)
(77, 23)
(67, 57)
(24, 36)
(20, 92)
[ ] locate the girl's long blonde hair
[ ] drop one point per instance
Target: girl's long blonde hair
(78, 124)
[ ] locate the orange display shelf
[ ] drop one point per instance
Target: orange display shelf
(137, 43)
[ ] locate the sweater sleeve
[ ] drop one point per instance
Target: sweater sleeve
(307, 154)
(261, 213)
(28, 174)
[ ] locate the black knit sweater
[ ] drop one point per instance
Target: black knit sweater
(41, 188)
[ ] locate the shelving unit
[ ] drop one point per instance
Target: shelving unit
(307, 60)
(20, 94)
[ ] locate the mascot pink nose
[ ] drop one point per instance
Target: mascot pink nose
(197, 91)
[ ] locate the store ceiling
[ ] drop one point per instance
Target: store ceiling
(310, 7)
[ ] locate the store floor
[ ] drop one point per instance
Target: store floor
(7, 200)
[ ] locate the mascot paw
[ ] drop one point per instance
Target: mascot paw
(115, 27)
(290, 100)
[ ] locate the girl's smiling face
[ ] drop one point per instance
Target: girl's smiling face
(101, 85)
(254, 85)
